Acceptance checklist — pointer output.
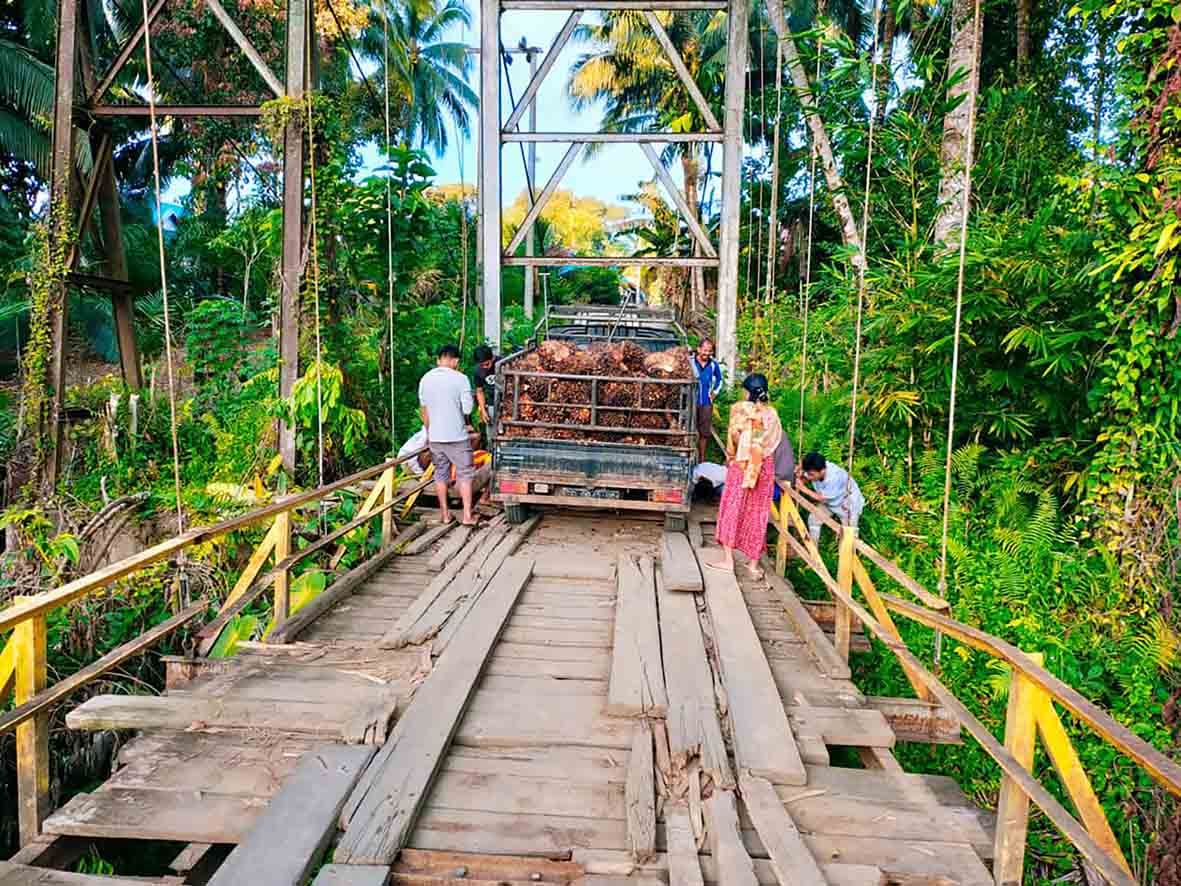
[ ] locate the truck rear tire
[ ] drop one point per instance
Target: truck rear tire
(516, 513)
(675, 523)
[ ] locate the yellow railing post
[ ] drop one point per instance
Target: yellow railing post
(387, 516)
(32, 736)
(882, 614)
(7, 668)
(844, 623)
(781, 541)
(1012, 810)
(282, 577)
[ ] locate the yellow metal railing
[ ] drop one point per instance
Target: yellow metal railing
(1033, 694)
(23, 658)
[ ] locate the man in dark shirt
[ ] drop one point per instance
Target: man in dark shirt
(486, 387)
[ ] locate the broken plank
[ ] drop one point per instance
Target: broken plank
(763, 740)
(692, 716)
(189, 857)
(339, 590)
(385, 804)
(725, 842)
(427, 538)
(352, 875)
(822, 649)
(679, 564)
(640, 794)
(847, 727)
(636, 685)
(684, 865)
(442, 557)
(918, 721)
(289, 837)
(793, 862)
(192, 712)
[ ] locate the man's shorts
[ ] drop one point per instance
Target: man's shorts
(705, 418)
(457, 455)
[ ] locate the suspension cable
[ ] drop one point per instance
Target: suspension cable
(877, 15)
(389, 219)
(807, 294)
(180, 514)
(772, 222)
(315, 250)
(969, 148)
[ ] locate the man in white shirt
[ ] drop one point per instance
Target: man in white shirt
(418, 440)
(445, 397)
(838, 493)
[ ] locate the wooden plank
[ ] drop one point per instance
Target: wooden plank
(763, 740)
(494, 868)
(23, 875)
(917, 721)
(112, 659)
(189, 857)
(450, 548)
(399, 634)
(1012, 808)
(341, 589)
(822, 649)
(793, 862)
(545, 725)
(684, 867)
(692, 718)
(725, 843)
(352, 875)
(641, 794)
(289, 837)
(679, 564)
(879, 758)
(507, 547)
(192, 712)
(575, 765)
(179, 816)
(581, 568)
(385, 805)
(428, 538)
(849, 727)
(637, 670)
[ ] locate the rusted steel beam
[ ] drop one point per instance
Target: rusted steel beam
(105, 111)
(108, 284)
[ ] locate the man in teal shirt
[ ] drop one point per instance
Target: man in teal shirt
(709, 382)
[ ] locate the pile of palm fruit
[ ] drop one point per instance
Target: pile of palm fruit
(561, 393)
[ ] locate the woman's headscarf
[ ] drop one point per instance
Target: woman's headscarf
(754, 430)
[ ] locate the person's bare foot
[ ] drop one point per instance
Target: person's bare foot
(718, 563)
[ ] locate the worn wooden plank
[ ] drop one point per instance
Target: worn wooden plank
(529, 795)
(23, 875)
(189, 857)
(725, 842)
(679, 564)
(339, 590)
(583, 568)
(684, 866)
(812, 634)
(181, 712)
(575, 765)
(693, 727)
(544, 725)
(399, 634)
(793, 862)
(641, 794)
(763, 740)
(427, 538)
(289, 837)
(352, 875)
(494, 868)
(385, 805)
(849, 727)
(179, 816)
(450, 548)
(917, 721)
(637, 671)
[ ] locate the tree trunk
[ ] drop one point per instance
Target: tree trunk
(1024, 12)
(963, 66)
(828, 163)
(885, 78)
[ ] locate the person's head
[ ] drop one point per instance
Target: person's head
(483, 356)
(704, 491)
(814, 466)
(449, 356)
(705, 350)
(756, 389)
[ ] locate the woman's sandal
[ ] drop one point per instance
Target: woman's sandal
(709, 563)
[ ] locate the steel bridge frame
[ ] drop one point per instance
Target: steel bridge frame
(85, 111)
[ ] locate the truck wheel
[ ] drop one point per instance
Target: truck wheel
(674, 523)
(516, 513)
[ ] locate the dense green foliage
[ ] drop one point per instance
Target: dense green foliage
(1066, 493)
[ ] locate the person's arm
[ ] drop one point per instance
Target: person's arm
(426, 419)
(716, 385)
(465, 398)
(482, 403)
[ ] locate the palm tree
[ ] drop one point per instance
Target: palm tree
(427, 73)
(26, 104)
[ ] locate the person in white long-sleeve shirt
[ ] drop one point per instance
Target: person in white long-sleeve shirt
(838, 493)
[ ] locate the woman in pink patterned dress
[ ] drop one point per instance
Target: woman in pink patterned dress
(751, 439)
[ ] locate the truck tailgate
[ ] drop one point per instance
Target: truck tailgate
(592, 464)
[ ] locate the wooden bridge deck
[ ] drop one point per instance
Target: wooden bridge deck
(536, 773)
